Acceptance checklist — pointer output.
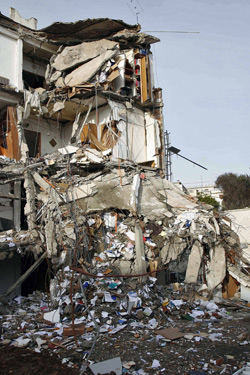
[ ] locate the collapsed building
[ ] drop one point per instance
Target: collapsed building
(82, 165)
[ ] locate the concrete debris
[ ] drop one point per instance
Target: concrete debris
(52, 316)
(85, 72)
(116, 211)
(106, 367)
(124, 312)
(84, 202)
(79, 54)
(243, 371)
(194, 263)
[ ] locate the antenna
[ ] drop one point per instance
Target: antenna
(168, 162)
(172, 31)
(134, 8)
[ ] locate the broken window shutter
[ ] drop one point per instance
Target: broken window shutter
(13, 150)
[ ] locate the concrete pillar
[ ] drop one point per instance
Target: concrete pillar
(216, 268)
(140, 263)
(194, 263)
(17, 206)
(30, 209)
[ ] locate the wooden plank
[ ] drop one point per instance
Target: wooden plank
(3, 151)
(149, 78)
(8, 196)
(232, 287)
(74, 330)
(9, 136)
(144, 89)
(13, 140)
(170, 333)
(89, 134)
(113, 75)
(87, 129)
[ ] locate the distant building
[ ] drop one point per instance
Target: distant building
(210, 190)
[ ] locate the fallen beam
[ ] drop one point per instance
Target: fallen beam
(9, 196)
(25, 275)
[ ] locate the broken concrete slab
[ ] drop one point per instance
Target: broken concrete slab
(52, 316)
(106, 367)
(93, 155)
(82, 191)
(217, 267)
(29, 209)
(85, 72)
(81, 53)
(194, 263)
(172, 251)
(68, 150)
(50, 236)
(141, 266)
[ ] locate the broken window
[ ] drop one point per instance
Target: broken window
(33, 140)
(32, 80)
(38, 280)
(9, 141)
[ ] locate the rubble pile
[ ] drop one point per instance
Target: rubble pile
(125, 217)
(83, 188)
(98, 316)
(115, 236)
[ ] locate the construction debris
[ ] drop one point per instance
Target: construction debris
(125, 254)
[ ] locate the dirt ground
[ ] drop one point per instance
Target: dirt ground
(183, 356)
(201, 355)
(26, 362)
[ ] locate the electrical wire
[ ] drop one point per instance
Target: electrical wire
(85, 364)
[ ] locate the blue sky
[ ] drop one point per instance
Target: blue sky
(205, 77)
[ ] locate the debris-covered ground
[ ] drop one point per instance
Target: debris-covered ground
(152, 329)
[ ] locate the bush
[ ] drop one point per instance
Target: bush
(208, 199)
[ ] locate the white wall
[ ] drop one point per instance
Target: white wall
(241, 225)
(48, 129)
(153, 138)
(11, 57)
(134, 119)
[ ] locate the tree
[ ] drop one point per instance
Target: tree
(236, 190)
(208, 199)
